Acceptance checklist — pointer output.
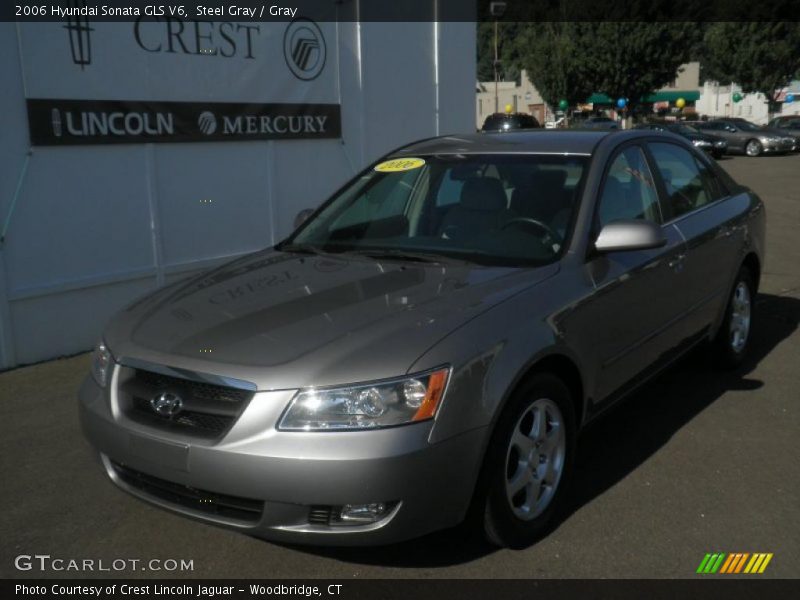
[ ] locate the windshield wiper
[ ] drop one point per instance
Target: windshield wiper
(299, 248)
(398, 254)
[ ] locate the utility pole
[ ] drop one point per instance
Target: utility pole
(496, 76)
(496, 9)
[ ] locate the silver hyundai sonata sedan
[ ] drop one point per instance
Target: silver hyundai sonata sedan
(426, 347)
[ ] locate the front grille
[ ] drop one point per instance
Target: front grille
(195, 420)
(207, 410)
(211, 503)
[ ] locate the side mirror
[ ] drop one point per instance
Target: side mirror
(302, 216)
(629, 234)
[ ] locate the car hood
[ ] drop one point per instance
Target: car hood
(284, 320)
(770, 131)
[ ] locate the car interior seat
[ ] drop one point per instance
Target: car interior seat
(483, 200)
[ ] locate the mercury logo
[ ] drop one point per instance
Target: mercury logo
(80, 41)
(207, 122)
(304, 49)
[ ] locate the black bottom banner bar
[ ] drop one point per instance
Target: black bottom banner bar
(406, 589)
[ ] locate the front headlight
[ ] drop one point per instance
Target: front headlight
(101, 364)
(367, 406)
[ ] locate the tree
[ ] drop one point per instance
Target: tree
(507, 50)
(761, 57)
(634, 59)
(571, 60)
(553, 54)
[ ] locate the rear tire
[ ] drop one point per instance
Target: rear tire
(528, 463)
(736, 331)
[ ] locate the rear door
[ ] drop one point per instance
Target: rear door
(696, 201)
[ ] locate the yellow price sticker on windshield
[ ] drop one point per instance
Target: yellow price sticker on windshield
(399, 164)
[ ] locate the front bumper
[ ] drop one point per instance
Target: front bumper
(716, 148)
(777, 147)
(281, 478)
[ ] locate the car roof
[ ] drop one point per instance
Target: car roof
(536, 141)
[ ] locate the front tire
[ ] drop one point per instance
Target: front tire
(529, 462)
(734, 336)
(753, 148)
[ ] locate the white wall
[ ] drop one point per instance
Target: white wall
(717, 101)
(94, 226)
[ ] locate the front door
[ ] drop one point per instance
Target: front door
(627, 324)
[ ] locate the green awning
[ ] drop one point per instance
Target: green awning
(599, 99)
(688, 95)
(670, 96)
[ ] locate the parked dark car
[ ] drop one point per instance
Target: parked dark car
(427, 346)
(713, 144)
(789, 125)
(597, 123)
(499, 122)
(748, 138)
(785, 122)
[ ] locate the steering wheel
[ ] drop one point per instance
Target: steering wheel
(548, 231)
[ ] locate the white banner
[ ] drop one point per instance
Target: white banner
(168, 59)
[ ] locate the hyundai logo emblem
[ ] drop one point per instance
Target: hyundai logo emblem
(304, 49)
(166, 404)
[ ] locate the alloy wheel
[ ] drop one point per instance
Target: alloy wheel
(740, 317)
(535, 459)
(753, 148)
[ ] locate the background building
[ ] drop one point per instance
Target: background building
(265, 119)
(717, 101)
(524, 97)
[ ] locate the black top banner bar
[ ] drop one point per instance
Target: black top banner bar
(405, 10)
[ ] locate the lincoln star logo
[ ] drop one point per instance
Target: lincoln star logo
(304, 49)
(80, 32)
(166, 404)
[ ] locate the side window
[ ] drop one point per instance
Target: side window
(629, 191)
(684, 183)
(711, 182)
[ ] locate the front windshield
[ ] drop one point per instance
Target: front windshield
(486, 209)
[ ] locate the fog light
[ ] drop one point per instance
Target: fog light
(363, 513)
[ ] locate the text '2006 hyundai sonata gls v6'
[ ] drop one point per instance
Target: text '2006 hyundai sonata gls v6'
(428, 344)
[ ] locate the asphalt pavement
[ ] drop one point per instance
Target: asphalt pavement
(698, 461)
